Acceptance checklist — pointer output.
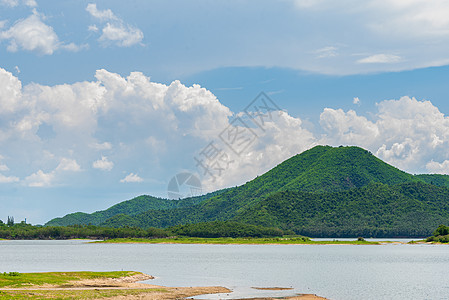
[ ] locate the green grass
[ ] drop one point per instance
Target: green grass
(239, 241)
(17, 280)
(79, 294)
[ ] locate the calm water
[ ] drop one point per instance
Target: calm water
(332, 271)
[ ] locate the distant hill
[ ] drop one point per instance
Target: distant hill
(128, 208)
(323, 177)
(435, 179)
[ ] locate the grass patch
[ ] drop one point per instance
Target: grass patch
(79, 294)
(17, 280)
(237, 241)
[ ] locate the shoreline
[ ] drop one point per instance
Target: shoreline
(232, 241)
(106, 285)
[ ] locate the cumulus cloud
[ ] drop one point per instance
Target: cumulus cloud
(130, 115)
(115, 31)
(438, 168)
(8, 179)
(67, 164)
(42, 179)
(406, 133)
(103, 164)
(131, 178)
(157, 129)
(32, 34)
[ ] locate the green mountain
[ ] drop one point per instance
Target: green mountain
(128, 208)
(318, 170)
(376, 210)
(312, 190)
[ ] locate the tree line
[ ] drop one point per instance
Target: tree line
(21, 231)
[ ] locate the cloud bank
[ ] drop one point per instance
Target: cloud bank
(149, 131)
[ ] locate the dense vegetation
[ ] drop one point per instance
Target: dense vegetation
(128, 208)
(377, 210)
(440, 235)
(226, 229)
(21, 231)
(324, 191)
(435, 179)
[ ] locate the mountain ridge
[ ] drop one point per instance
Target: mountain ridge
(322, 171)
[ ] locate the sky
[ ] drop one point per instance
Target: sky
(107, 100)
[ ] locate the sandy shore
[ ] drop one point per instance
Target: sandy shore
(121, 288)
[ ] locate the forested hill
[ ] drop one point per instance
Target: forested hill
(377, 210)
(320, 169)
(321, 174)
(130, 208)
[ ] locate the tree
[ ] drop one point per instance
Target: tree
(10, 221)
(441, 230)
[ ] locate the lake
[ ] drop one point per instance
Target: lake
(395, 271)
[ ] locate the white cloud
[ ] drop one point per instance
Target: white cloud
(380, 59)
(72, 47)
(121, 35)
(67, 164)
(103, 164)
(14, 3)
(32, 34)
(10, 3)
(10, 92)
(140, 120)
(131, 178)
(93, 28)
(8, 179)
(30, 3)
(115, 31)
(102, 15)
(3, 178)
(406, 133)
(156, 128)
(438, 168)
(40, 179)
(101, 146)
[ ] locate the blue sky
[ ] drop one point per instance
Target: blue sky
(103, 101)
